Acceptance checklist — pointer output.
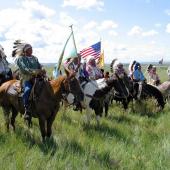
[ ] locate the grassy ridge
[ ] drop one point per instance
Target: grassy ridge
(123, 141)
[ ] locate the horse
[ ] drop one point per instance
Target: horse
(94, 95)
(128, 90)
(149, 91)
(45, 100)
(120, 93)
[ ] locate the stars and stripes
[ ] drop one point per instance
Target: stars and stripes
(93, 50)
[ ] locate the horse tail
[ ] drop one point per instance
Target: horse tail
(111, 65)
(152, 91)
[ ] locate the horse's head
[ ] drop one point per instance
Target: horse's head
(72, 88)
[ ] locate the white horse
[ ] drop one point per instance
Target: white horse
(94, 95)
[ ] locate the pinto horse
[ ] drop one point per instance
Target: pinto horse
(46, 100)
(95, 92)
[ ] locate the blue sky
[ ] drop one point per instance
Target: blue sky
(128, 29)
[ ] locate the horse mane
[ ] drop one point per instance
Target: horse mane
(56, 83)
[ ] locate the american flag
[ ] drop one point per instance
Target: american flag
(93, 50)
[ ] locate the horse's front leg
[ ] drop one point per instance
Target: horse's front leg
(6, 112)
(106, 106)
(50, 121)
(42, 127)
(14, 114)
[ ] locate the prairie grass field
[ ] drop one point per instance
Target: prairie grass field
(124, 140)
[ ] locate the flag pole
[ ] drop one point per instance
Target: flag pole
(71, 26)
(62, 53)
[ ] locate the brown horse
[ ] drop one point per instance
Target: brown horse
(45, 100)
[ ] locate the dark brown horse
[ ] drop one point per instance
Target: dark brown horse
(46, 97)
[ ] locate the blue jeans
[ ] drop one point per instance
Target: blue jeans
(27, 90)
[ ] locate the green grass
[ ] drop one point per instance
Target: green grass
(129, 141)
(122, 141)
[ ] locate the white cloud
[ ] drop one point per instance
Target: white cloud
(90, 25)
(158, 25)
(153, 42)
(32, 22)
(108, 24)
(168, 28)
(167, 11)
(149, 33)
(136, 30)
(113, 33)
(36, 9)
(66, 20)
(85, 4)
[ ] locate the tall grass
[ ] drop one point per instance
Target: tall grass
(129, 141)
(122, 141)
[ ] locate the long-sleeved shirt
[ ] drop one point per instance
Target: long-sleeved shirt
(27, 65)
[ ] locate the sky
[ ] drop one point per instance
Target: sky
(128, 29)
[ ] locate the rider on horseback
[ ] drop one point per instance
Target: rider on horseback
(120, 75)
(138, 77)
(119, 71)
(137, 73)
(74, 67)
(93, 71)
(5, 71)
(153, 77)
(29, 66)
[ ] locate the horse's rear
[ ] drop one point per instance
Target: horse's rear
(165, 90)
(151, 91)
(9, 103)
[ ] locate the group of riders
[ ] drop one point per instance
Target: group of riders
(87, 70)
